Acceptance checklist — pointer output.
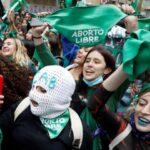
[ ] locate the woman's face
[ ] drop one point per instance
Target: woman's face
(142, 113)
(9, 47)
(94, 66)
(80, 57)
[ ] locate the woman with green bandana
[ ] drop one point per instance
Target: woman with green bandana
(97, 66)
(45, 122)
(133, 133)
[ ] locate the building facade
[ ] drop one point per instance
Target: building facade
(37, 5)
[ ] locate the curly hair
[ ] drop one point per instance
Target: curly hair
(17, 81)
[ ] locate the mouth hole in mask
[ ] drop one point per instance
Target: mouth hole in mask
(34, 103)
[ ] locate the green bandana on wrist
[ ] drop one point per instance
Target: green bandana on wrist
(56, 125)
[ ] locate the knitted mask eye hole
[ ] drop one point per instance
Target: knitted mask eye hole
(40, 89)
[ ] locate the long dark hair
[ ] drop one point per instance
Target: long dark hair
(110, 63)
(109, 59)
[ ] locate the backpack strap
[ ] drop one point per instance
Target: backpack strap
(76, 124)
(120, 137)
(77, 129)
(21, 107)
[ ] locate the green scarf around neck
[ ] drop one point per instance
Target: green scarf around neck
(56, 125)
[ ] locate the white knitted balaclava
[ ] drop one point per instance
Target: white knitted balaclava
(59, 85)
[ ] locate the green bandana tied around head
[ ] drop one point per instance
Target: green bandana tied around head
(136, 54)
(90, 28)
(56, 125)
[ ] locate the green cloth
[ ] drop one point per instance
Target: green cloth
(20, 4)
(68, 3)
(3, 29)
(12, 34)
(90, 28)
(144, 89)
(43, 56)
(1, 138)
(55, 126)
(88, 118)
(136, 54)
(144, 23)
(135, 4)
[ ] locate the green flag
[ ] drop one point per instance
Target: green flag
(17, 4)
(3, 27)
(144, 23)
(135, 4)
(85, 26)
(136, 54)
(68, 3)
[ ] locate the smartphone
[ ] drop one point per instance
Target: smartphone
(1, 84)
(36, 22)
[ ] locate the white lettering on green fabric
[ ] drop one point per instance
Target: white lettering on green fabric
(87, 36)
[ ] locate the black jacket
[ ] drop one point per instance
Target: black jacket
(28, 133)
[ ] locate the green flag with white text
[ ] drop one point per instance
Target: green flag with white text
(85, 26)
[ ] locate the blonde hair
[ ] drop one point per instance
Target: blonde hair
(20, 56)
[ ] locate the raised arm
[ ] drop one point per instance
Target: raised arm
(42, 49)
(112, 123)
(115, 80)
(108, 87)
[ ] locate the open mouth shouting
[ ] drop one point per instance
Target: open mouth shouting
(34, 103)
